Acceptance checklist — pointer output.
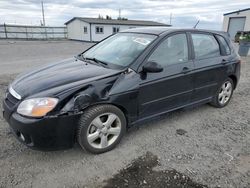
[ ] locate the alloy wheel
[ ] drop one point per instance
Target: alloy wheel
(225, 93)
(104, 130)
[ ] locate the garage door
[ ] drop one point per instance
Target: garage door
(236, 24)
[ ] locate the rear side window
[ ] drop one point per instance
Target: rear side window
(205, 46)
(225, 49)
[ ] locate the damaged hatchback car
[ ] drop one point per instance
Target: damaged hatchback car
(127, 78)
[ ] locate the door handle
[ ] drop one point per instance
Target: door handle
(185, 70)
(224, 61)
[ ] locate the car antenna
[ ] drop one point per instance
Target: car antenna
(196, 24)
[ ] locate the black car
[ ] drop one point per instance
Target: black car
(127, 78)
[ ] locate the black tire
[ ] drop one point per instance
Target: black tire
(85, 122)
(215, 102)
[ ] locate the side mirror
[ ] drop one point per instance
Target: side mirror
(152, 66)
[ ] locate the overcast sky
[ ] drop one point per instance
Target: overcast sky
(185, 13)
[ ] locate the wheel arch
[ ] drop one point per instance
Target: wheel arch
(122, 108)
(234, 78)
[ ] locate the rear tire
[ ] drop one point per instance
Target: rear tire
(101, 128)
(223, 94)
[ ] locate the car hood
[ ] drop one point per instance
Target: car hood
(59, 74)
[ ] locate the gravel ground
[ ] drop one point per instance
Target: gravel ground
(210, 147)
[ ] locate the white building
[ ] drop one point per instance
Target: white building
(236, 21)
(96, 29)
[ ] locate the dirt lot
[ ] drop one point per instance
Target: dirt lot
(213, 151)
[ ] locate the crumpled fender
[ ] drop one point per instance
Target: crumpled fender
(95, 92)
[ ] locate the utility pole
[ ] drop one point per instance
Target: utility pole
(43, 14)
(44, 22)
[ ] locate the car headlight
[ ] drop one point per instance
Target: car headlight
(37, 107)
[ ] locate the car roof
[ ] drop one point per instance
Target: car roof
(161, 30)
(148, 30)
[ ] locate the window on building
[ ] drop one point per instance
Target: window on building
(172, 50)
(99, 29)
(116, 29)
(85, 29)
(205, 46)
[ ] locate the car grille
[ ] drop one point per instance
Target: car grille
(10, 100)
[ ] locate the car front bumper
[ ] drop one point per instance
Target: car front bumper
(47, 133)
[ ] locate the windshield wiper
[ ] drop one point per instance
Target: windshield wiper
(95, 60)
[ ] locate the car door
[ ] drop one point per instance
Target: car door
(209, 65)
(171, 88)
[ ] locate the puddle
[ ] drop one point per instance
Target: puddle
(141, 174)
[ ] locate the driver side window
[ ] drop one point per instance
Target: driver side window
(172, 50)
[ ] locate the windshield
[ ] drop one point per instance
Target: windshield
(120, 49)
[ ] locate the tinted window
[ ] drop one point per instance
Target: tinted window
(172, 50)
(205, 46)
(224, 45)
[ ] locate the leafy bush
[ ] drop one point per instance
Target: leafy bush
(245, 37)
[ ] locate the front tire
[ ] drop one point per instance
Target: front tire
(101, 128)
(224, 94)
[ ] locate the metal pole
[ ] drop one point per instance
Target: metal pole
(26, 29)
(45, 29)
(5, 30)
(65, 30)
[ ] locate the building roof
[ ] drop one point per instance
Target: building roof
(117, 22)
(242, 10)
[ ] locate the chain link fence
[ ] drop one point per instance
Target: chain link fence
(27, 32)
